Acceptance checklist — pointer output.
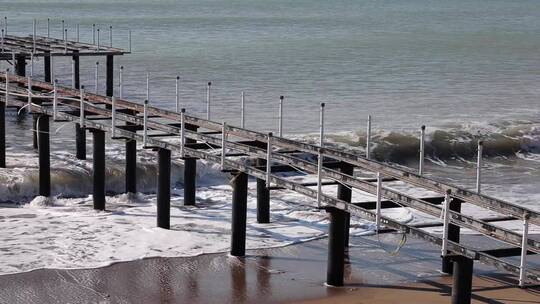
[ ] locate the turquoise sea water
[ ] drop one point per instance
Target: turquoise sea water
(468, 68)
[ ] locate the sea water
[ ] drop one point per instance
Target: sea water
(468, 70)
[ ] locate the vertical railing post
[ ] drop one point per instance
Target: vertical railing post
(96, 78)
(182, 132)
(145, 123)
(177, 93)
(223, 144)
(93, 34)
(368, 138)
(147, 86)
(3, 123)
(422, 150)
(479, 166)
(48, 27)
(280, 116)
(524, 248)
(320, 156)
(208, 100)
(113, 117)
(63, 28)
(34, 37)
(378, 202)
(97, 44)
(110, 36)
(446, 222)
(77, 32)
(65, 41)
(121, 82)
(268, 160)
(55, 99)
(129, 40)
(242, 110)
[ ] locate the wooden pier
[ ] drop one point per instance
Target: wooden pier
(247, 153)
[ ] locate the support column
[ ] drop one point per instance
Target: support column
(77, 75)
(110, 75)
(131, 166)
(190, 180)
(44, 156)
(263, 197)
(336, 247)
(47, 66)
(99, 169)
(239, 214)
(345, 194)
(453, 235)
(462, 287)
(20, 65)
(2, 134)
(80, 142)
(164, 189)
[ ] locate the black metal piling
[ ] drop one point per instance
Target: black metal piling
(164, 189)
(110, 76)
(44, 156)
(99, 169)
(35, 117)
(80, 142)
(76, 70)
(462, 286)
(263, 197)
(131, 166)
(453, 235)
(239, 214)
(190, 173)
(20, 65)
(345, 194)
(3, 134)
(47, 67)
(336, 247)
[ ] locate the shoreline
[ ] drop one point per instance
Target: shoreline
(290, 274)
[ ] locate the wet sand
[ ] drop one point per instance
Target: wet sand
(290, 274)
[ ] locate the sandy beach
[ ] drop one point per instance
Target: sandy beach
(291, 274)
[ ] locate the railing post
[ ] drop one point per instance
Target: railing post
(113, 117)
(368, 138)
(147, 86)
(177, 95)
(164, 189)
(208, 86)
(145, 123)
(121, 82)
(280, 116)
(94, 34)
(44, 156)
(110, 36)
(223, 144)
(99, 169)
(96, 78)
(378, 202)
(182, 132)
(479, 167)
(55, 99)
(3, 124)
(242, 110)
(239, 214)
(268, 159)
(524, 248)
(320, 156)
(446, 222)
(422, 150)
